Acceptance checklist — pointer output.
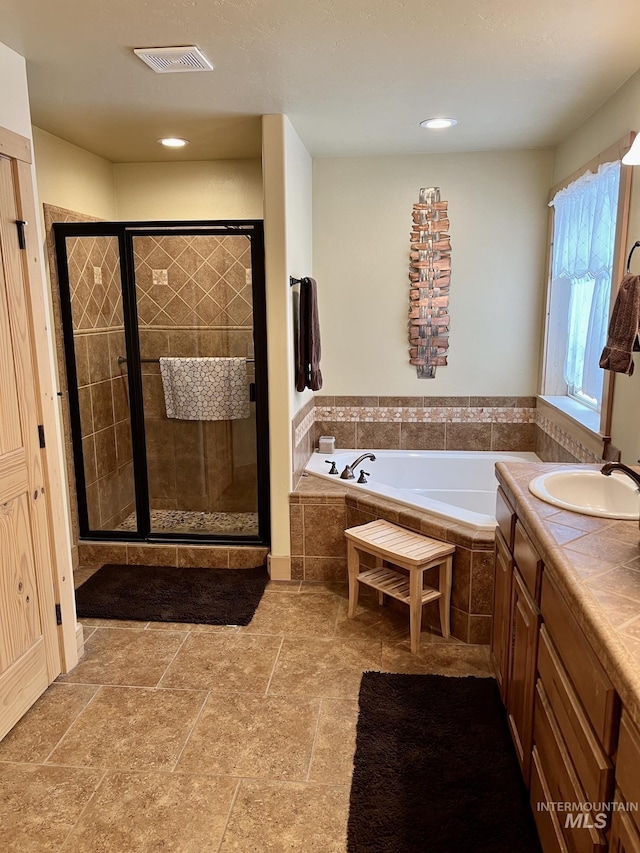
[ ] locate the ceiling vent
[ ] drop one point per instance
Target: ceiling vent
(174, 60)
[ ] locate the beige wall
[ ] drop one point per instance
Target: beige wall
(217, 189)
(362, 219)
(287, 198)
(72, 178)
(615, 118)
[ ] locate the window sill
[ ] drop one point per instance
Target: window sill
(587, 418)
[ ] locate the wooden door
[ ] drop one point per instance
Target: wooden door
(29, 653)
(500, 630)
(525, 625)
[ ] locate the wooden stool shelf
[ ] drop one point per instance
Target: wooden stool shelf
(412, 552)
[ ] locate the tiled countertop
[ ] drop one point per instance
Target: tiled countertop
(596, 564)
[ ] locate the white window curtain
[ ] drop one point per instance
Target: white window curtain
(583, 246)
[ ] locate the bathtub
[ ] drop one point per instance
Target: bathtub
(456, 485)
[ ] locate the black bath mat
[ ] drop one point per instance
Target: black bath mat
(435, 770)
(168, 594)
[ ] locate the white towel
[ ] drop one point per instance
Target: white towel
(205, 389)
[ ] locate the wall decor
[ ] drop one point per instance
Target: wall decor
(430, 279)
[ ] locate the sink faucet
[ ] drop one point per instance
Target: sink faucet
(618, 466)
(348, 474)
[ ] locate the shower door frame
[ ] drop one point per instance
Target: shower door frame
(125, 233)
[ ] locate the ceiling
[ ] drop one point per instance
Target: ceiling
(354, 76)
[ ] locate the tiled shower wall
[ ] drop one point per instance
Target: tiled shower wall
(195, 299)
(103, 392)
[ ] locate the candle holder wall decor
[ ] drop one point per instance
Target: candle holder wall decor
(430, 278)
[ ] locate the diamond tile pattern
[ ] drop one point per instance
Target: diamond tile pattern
(94, 278)
(206, 281)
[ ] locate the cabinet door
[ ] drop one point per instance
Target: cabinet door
(623, 838)
(500, 629)
(525, 624)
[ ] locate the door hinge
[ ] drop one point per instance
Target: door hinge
(41, 435)
(20, 223)
(58, 615)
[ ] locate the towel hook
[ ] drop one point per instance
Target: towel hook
(635, 246)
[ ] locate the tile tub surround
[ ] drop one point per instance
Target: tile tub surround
(208, 738)
(302, 437)
(321, 511)
(427, 423)
(596, 564)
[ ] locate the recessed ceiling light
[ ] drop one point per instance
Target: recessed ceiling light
(438, 123)
(173, 142)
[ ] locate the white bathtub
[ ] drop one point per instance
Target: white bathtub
(450, 484)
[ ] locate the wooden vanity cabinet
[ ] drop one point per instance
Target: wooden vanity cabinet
(516, 622)
(625, 825)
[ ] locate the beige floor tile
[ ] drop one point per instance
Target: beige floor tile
(339, 589)
(329, 669)
(82, 574)
(372, 622)
(302, 615)
(259, 736)
(33, 738)
(144, 812)
(225, 663)
(39, 805)
(280, 816)
(113, 623)
(283, 586)
(437, 658)
(194, 627)
(87, 631)
(116, 656)
(131, 728)
(335, 742)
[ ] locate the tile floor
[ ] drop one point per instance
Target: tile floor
(203, 739)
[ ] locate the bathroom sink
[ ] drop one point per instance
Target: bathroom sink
(589, 492)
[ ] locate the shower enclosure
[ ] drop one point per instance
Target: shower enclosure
(133, 293)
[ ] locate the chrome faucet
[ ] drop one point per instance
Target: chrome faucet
(348, 474)
(618, 466)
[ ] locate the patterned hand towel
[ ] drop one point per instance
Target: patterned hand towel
(624, 328)
(205, 389)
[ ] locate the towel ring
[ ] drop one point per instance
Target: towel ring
(635, 246)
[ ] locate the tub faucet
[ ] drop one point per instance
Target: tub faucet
(618, 466)
(348, 474)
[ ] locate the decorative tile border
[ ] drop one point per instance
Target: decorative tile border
(430, 414)
(565, 441)
(304, 426)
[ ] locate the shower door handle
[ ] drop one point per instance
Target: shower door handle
(252, 392)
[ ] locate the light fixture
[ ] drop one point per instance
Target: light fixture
(173, 142)
(438, 123)
(632, 157)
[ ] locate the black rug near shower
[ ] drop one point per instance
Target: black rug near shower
(435, 770)
(168, 594)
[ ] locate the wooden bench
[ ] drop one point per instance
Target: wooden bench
(410, 551)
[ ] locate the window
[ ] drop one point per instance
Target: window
(589, 217)
(582, 264)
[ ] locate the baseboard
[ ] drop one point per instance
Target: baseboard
(279, 568)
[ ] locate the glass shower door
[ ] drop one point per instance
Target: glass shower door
(195, 311)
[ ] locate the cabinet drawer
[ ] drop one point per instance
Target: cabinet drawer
(546, 820)
(624, 837)
(528, 562)
(506, 517)
(593, 768)
(561, 779)
(589, 680)
(628, 764)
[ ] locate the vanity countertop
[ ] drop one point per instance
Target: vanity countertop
(596, 564)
